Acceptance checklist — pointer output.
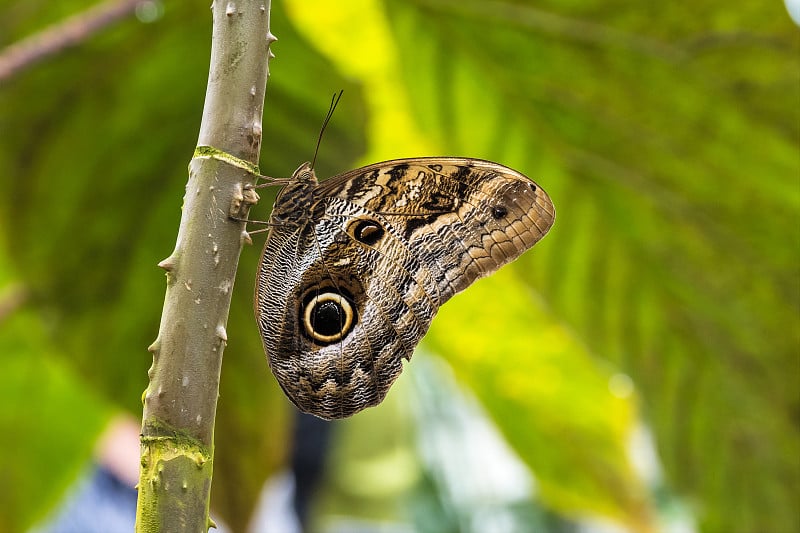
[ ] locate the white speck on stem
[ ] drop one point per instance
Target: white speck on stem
(185, 381)
(221, 333)
(225, 286)
(230, 9)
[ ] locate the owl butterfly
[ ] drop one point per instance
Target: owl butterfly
(355, 268)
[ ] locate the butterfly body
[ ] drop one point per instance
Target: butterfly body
(355, 268)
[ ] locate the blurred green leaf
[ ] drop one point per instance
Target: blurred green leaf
(667, 138)
(49, 418)
(542, 387)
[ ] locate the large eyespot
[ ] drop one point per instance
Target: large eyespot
(367, 231)
(327, 316)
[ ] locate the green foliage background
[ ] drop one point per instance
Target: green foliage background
(666, 134)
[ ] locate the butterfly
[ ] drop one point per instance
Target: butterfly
(355, 267)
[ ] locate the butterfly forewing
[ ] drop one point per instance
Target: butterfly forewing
(464, 217)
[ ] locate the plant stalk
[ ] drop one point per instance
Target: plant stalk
(177, 442)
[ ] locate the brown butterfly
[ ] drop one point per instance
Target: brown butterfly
(355, 268)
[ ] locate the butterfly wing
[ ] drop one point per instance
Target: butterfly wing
(465, 218)
(346, 293)
(338, 316)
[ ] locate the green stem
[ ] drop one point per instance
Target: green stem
(180, 402)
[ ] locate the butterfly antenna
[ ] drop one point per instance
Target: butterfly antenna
(334, 102)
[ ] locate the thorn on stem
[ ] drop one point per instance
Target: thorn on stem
(168, 264)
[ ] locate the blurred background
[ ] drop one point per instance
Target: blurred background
(638, 371)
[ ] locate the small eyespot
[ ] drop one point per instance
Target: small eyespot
(532, 185)
(499, 212)
(328, 317)
(368, 232)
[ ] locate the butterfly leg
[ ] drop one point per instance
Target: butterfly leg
(251, 221)
(269, 182)
(262, 230)
(246, 234)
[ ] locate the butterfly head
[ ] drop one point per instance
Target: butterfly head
(304, 174)
(294, 200)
